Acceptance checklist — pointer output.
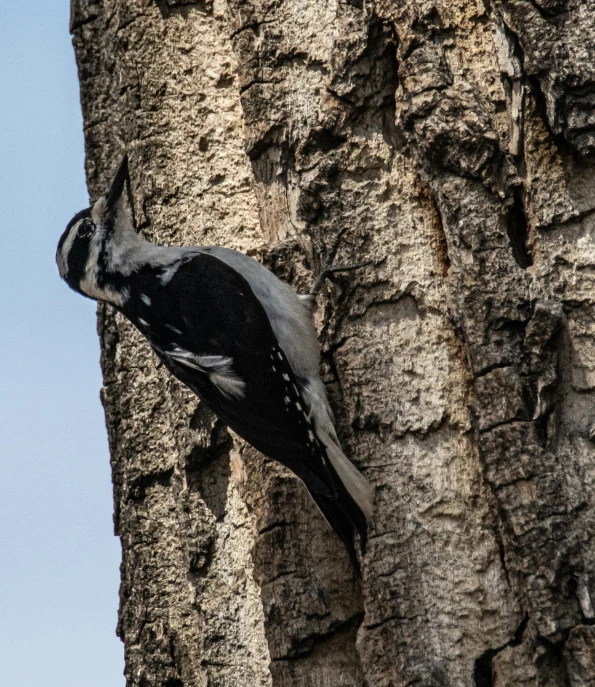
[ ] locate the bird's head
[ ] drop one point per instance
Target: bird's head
(85, 247)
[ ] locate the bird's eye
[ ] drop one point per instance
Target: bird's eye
(86, 229)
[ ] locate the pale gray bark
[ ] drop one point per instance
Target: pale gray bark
(454, 141)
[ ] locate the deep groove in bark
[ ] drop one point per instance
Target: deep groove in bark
(482, 671)
(517, 230)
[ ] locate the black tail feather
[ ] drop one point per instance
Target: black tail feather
(347, 504)
(343, 515)
(341, 525)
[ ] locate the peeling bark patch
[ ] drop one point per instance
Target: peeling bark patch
(550, 32)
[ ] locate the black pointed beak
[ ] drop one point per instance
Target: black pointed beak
(117, 187)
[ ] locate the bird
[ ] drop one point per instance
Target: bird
(235, 334)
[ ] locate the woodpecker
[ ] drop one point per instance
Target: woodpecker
(241, 339)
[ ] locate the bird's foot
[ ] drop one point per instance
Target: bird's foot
(328, 265)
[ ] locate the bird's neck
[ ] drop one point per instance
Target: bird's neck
(124, 254)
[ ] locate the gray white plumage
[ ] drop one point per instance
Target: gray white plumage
(239, 337)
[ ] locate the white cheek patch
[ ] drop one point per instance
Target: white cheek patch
(62, 257)
(89, 283)
(108, 295)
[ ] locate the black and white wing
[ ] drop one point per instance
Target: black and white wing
(212, 333)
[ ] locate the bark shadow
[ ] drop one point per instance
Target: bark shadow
(207, 466)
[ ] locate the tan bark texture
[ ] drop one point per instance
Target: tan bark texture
(454, 140)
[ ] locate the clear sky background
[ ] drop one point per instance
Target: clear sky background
(58, 556)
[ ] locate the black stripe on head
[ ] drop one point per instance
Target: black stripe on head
(102, 273)
(78, 254)
(79, 215)
(77, 261)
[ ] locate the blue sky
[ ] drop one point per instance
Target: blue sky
(59, 558)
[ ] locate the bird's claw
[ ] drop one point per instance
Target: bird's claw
(328, 266)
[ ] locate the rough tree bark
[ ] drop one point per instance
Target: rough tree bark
(455, 141)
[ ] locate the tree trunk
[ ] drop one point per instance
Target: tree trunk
(454, 142)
